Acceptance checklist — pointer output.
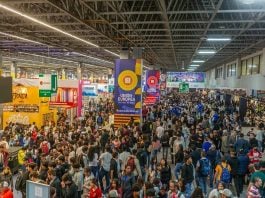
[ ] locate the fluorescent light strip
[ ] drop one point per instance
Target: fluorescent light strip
(112, 53)
(198, 61)
(21, 38)
(194, 65)
(218, 39)
(45, 24)
(28, 40)
(206, 52)
(34, 62)
(77, 53)
(47, 57)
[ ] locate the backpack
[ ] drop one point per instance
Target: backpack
(99, 120)
(225, 176)
(45, 148)
(164, 140)
(205, 167)
(19, 181)
(131, 163)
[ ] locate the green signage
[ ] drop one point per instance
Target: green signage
(45, 93)
(54, 84)
(183, 87)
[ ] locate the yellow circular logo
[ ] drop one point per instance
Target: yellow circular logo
(127, 80)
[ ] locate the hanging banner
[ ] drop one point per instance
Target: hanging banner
(195, 79)
(128, 94)
(152, 87)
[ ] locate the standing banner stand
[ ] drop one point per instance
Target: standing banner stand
(127, 91)
(37, 190)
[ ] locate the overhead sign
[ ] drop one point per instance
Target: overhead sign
(184, 87)
(152, 87)
(48, 84)
(195, 79)
(128, 92)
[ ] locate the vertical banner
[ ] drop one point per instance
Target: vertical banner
(152, 87)
(128, 91)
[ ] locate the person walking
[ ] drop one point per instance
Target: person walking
(187, 173)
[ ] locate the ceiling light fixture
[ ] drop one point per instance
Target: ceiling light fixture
(21, 38)
(28, 40)
(47, 57)
(218, 39)
(112, 53)
(206, 52)
(198, 61)
(194, 65)
(46, 25)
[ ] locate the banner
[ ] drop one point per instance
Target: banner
(128, 94)
(48, 84)
(152, 87)
(195, 79)
(183, 87)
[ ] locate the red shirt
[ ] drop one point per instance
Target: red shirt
(254, 156)
(95, 193)
(6, 194)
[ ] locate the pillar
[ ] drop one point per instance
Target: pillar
(1, 64)
(238, 67)
(137, 52)
(13, 70)
(224, 71)
(79, 71)
(63, 74)
(125, 53)
(262, 62)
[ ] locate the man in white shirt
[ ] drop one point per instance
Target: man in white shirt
(160, 130)
(105, 159)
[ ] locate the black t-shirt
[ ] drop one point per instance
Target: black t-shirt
(114, 168)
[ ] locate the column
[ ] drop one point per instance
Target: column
(63, 74)
(137, 52)
(224, 71)
(125, 53)
(13, 70)
(1, 64)
(79, 71)
(262, 62)
(238, 67)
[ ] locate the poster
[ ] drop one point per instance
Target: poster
(86, 91)
(183, 87)
(128, 91)
(152, 87)
(64, 96)
(195, 79)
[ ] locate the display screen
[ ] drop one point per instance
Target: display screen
(186, 77)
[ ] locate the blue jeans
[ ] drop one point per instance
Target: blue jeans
(211, 178)
(188, 190)
(94, 170)
(178, 169)
(203, 184)
(103, 173)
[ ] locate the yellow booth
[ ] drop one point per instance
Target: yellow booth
(27, 107)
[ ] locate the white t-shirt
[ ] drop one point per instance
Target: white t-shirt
(160, 131)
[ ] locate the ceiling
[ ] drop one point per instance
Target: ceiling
(170, 32)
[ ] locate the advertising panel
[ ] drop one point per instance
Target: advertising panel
(65, 96)
(195, 79)
(128, 92)
(152, 87)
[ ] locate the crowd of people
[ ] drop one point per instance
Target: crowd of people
(188, 146)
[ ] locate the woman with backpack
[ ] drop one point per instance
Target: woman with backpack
(223, 172)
